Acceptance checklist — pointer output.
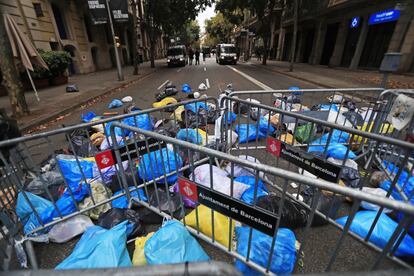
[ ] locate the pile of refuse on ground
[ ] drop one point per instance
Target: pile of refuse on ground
(72, 181)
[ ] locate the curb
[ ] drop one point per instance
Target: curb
(53, 116)
(294, 77)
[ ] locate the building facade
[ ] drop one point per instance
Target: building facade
(345, 33)
(66, 25)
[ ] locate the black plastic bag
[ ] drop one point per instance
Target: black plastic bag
(115, 185)
(327, 205)
(355, 118)
(149, 217)
(293, 214)
(351, 177)
(51, 182)
(82, 145)
(115, 216)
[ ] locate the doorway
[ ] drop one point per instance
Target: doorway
(376, 44)
(330, 39)
(94, 53)
(308, 45)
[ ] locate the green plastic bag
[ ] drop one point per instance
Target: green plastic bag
(305, 133)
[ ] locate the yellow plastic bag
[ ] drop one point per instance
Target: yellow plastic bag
(221, 224)
(385, 128)
(138, 258)
(177, 113)
(203, 136)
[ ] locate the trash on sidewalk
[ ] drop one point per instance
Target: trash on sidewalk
(49, 183)
(284, 252)
(383, 230)
(66, 230)
(186, 88)
(164, 102)
(115, 103)
(99, 193)
(70, 88)
(127, 99)
(138, 257)
(221, 224)
(99, 248)
(115, 216)
(293, 214)
(221, 182)
(172, 244)
(248, 195)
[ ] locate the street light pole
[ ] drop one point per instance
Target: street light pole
(118, 61)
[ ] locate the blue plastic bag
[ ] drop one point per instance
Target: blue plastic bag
(99, 248)
(66, 204)
(172, 244)
(155, 164)
(88, 117)
(26, 213)
(328, 107)
(142, 121)
(72, 172)
(265, 126)
(382, 232)
(190, 135)
(244, 137)
(230, 116)
(248, 195)
(115, 103)
(284, 252)
(403, 182)
(335, 148)
(194, 107)
(122, 202)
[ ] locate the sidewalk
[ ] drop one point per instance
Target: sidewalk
(54, 101)
(336, 77)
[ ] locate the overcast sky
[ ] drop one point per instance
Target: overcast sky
(209, 12)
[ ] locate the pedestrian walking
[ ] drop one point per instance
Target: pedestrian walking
(197, 57)
(259, 54)
(190, 56)
(204, 56)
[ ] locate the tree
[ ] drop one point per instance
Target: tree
(11, 78)
(264, 11)
(219, 28)
(188, 34)
(135, 29)
(167, 16)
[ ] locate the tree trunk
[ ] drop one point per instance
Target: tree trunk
(265, 48)
(295, 34)
(11, 78)
(135, 44)
(152, 52)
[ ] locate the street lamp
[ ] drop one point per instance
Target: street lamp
(118, 61)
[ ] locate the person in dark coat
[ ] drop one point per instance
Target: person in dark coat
(197, 57)
(190, 56)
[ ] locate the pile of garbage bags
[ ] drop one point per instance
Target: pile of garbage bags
(71, 182)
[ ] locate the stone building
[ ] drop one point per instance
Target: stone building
(343, 33)
(66, 25)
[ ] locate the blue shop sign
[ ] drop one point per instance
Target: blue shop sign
(355, 22)
(384, 16)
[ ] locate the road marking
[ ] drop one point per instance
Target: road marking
(253, 80)
(164, 83)
(207, 83)
(205, 69)
(179, 70)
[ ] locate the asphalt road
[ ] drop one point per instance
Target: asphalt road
(353, 255)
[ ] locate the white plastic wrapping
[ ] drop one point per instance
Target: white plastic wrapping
(68, 229)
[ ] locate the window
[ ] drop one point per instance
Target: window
(38, 9)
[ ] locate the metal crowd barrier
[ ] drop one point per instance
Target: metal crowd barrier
(277, 170)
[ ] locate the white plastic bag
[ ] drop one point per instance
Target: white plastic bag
(378, 192)
(221, 182)
(244, 171)
(348, 163)
(68, 229)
